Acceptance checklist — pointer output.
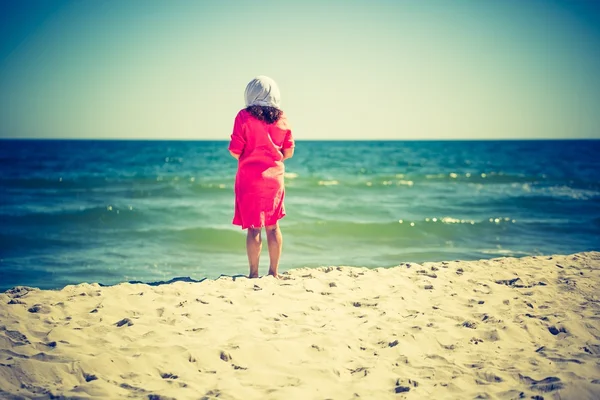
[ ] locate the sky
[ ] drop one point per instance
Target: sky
(379, 69)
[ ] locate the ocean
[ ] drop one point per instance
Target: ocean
(74, 211)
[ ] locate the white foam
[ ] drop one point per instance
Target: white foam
(328, 183)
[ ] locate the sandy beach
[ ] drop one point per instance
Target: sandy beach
(505, 328)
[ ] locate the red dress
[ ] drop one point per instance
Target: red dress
(259, 188)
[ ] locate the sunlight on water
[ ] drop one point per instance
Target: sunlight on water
(328, 183)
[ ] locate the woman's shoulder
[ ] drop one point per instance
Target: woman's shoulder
(243, 114)
(283, 122)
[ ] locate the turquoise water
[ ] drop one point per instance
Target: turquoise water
(114, 211)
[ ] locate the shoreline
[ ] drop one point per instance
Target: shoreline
(495, 328)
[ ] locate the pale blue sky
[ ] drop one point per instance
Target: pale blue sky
(346, 69)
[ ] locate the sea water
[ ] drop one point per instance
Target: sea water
(113, 211)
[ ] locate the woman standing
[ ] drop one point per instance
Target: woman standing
(260, 141)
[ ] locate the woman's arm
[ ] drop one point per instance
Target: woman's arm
(238, 137)
(288, 153)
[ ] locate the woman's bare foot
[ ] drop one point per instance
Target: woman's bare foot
(274, 274)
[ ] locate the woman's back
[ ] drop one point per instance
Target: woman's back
(260, 143)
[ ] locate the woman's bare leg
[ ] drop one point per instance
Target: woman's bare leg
(253, 247)
(275, 242)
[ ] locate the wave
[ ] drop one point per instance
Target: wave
(140, 187)
(127, 187)
(16, 243)
(445, 227)
(105, 216)
(53, 183)
(211, 239)
(359, 181)
(567, 192)
(545, 203)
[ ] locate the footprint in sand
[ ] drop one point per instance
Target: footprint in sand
(427, 273)
(483, 289)
(469, 324)
(225, 356)
(211, 394)
(487, 377)
(20, 291)
(555, 331)
(362, 371)
(592, 349)
(545, 385)
(98, 307)
(39, 309)
(475, 301)
(138, 390)
(475, 340)
(405, 386)
(16, 337)
(361, 304)
(124, 321)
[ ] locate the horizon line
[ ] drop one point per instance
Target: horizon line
(303, 140)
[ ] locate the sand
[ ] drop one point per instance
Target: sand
(506, 328)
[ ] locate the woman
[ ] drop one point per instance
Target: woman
(260, 141)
